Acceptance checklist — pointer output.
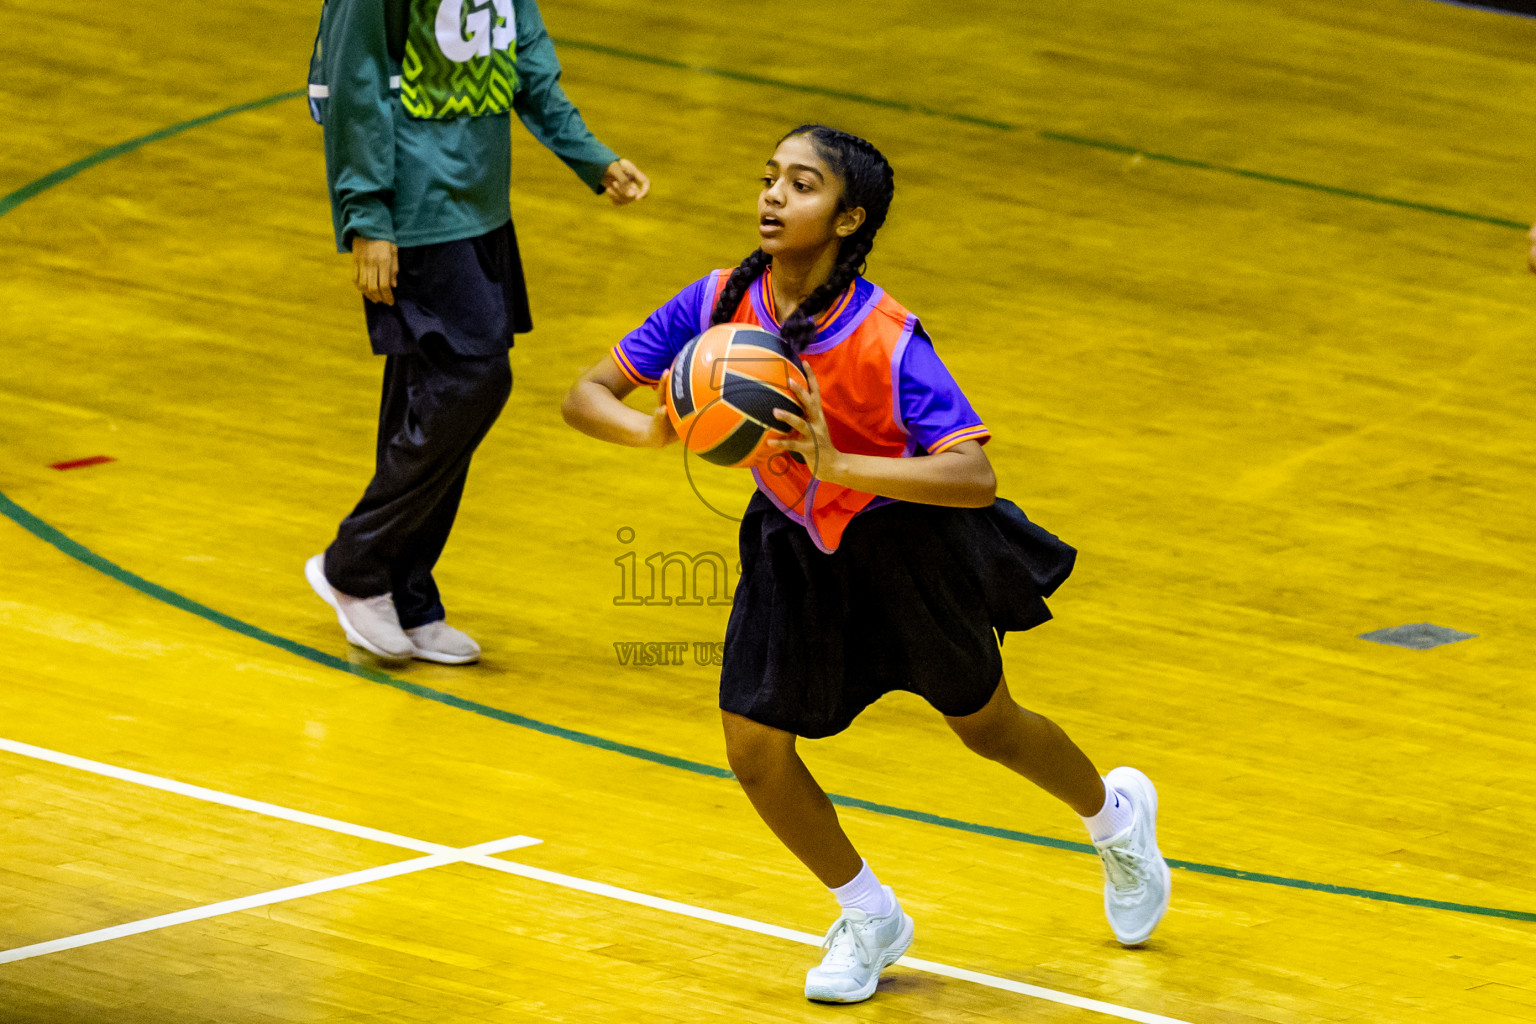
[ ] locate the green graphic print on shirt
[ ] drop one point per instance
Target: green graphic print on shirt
(460, 58)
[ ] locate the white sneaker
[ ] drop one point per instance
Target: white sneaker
(369, 622)
(858, 948)
(440, 642)
(1136, 878)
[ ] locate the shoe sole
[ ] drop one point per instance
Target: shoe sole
(890, 956)
(1128, 780)
(438, 658)
(314, 574)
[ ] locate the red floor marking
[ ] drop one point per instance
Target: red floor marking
(94, 460)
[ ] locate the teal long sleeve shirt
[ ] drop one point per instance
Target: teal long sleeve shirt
(418, 182)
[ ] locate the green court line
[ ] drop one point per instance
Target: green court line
(43, 531)
(1193, 867)
(21, 195)
(1275, 179)
(73, 549)
(49, 534)
(1076, 140)
(780, 83)
(32, 188)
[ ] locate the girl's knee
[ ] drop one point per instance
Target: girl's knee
(755, 751)
(990, 742)
(995, 732)
(502, 377)
(492, 385)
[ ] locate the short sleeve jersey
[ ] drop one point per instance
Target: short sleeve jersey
(934, 411)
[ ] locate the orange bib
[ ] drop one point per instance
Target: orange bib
(858, 368)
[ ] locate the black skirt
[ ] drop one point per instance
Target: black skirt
(470, 292)
(916, 597)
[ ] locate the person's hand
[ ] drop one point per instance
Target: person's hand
(812, 440)
(661, 432)
(376, 269)
(624, 183)
(1530, 259)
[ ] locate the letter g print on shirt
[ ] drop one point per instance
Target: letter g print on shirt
(460, 58)
(464, 32)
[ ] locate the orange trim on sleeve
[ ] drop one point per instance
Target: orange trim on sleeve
(628, 369)
(954, 437)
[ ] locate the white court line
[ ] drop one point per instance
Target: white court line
(763, 928)
(213, 796)
(265, 899)
(480, 855)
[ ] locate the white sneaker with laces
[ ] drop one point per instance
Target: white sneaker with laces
(440, 642)
(1136, 878)
(858, 948)
(369, 622)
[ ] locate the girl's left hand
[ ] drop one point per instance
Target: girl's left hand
(812, 440)
(623, 182)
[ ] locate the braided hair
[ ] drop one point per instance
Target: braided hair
(868, 181)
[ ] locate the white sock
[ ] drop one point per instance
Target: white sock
(1113, 818)
(865, 893)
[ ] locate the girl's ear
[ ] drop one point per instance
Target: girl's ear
(849, 221)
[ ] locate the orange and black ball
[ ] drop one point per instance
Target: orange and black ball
(723, 389)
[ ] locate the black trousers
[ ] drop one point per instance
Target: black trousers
(436, 408)
(457, 307)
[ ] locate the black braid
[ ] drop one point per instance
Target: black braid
(800, 329)
(741, 279)
(868, 182)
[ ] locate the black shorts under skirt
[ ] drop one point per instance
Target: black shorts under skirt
(470, 292)
(917, 598)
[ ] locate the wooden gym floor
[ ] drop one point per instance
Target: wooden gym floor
(1240, 289)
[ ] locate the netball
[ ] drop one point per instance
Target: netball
(724, 388)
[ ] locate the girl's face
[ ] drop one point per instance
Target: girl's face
(798, 210)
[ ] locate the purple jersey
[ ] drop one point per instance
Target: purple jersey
(934, 411)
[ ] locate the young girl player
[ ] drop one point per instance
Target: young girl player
(881, 562)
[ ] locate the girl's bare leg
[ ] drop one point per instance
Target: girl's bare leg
(789, 799)
(1035, 747)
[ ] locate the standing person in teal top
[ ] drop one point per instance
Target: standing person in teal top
(416, 98)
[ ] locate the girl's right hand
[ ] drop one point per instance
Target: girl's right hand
(376, 269)
(661, 432)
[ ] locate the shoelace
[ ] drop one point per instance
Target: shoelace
(1126, 868)
(846, 943)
